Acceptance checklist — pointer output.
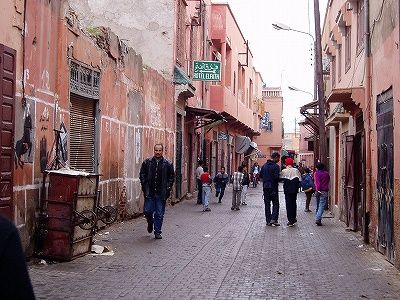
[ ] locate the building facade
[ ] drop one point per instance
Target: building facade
(359, 37)
(271, 125)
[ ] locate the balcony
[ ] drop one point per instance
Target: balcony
(223, 100)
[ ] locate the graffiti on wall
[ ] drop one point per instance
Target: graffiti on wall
(23, 147)
(62, 155)
(155, 114)
(63, 149)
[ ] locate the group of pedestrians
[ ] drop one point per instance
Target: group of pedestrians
(240, 184)
(317, 183)
(157, 178)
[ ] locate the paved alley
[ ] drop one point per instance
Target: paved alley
(224, 254)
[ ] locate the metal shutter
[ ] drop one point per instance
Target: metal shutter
(82, 133)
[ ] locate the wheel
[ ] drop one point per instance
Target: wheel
(108, 214)
(87, 219)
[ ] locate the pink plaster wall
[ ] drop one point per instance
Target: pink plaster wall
(136, 107)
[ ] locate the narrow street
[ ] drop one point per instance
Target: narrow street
(224, 254)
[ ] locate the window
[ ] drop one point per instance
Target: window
(84, 96)
(180, 33)
(339, 62)
(310, 146)
(234, 83)
(228, 68)
(347, 54)
(193, 53)
(360, 26)
(266, 124)
(250, 92)
(333, 71)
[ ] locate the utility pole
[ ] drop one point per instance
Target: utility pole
(319, 83)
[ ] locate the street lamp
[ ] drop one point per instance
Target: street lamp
(318, 77)
(292, 88)
(280, 26)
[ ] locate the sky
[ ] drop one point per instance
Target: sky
(284, 58)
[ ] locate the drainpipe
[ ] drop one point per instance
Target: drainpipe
(203, 88)
(368, 150)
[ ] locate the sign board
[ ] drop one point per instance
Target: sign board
(223, 136)
(207, 70)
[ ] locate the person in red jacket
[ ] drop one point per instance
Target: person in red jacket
(206, 181)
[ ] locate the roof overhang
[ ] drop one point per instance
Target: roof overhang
(352, 98)
(240, 126)
(204, 117)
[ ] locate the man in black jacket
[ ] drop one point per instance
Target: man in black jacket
(270, 176)
(14, 276)
(157, 178)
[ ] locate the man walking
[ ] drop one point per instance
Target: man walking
(220, 180)
(270, 176)
(206, 180)
(321, 182)
(156, 177)
(291, 181)
(237, 188)
(199, 171)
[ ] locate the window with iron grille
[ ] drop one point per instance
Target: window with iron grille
(347, 55)
(360, 26)
(180, 33)
(84, 95)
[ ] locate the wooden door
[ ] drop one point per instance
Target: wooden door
(7, 99)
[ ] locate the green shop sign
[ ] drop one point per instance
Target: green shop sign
(207, 70)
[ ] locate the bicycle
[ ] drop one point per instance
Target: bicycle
(107, 214)
(85, 219)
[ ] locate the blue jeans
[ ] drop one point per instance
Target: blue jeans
(206, 195)
(154, 209)
(322, 199)
(219, 191)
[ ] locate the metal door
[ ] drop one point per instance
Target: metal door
(349, 184)
(190, 172)
(178, 160)
(7, 94)
(384, 111)
(213, 158)
(343, 201)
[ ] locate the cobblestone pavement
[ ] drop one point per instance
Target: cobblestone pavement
(225, 254)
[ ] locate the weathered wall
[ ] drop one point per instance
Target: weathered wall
(147, 26)
(136, 107)
(384, 46)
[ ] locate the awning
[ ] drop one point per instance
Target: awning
(183, 84)
(352, 98)
(253, 150)
(242, 144)
(204, 117)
